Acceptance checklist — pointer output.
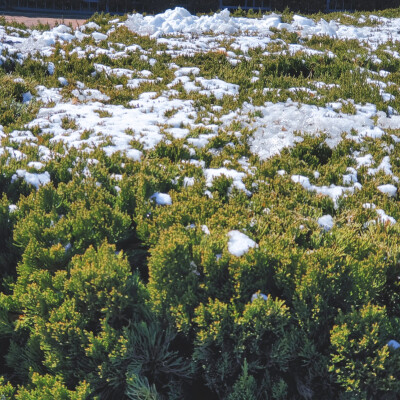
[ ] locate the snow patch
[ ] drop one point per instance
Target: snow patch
(239, 243)
(388, 189)
(162, 199)
(394, 344)
(333, 191)
(326, 222)
(258, 295)
(35, 180)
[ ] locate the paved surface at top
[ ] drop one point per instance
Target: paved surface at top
(33, 19)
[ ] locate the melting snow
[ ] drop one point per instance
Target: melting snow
(326, 222)
(257, 295)
(239, 243)
(162, 199)
(393, 344)
(388, 189)
(280, 123)
(333, 191)
(383, 218)
(212, 173)
(35, 180)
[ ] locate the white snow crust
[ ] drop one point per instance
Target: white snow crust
(326, 222)
(239, 243)
(388, 189)
(162, 199)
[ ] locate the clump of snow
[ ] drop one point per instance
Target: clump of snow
(185, 71)
(36, 165)
(35, 180)
(22, 137)
(394, 344)
(12, 208)
(383, 218)
(188, 181)
(326, 222)
(43, 41)
(90, 25)
(259, 295)
(333, 191)
(303, 180)
(113, 71)
(26, 97)
(364, 161)
(89, 94)
(133, 154)
(98, 37)
(205, 229)
(212, 173)
(217, 87)
(180, 20)
(51, 68)
(280, 122)
(384, 166)
(388, 189)
(162, 199)
(62, 81)
(239, 243)
(48, 95)
(351, 177)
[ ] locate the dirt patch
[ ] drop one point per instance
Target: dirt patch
(30, 21)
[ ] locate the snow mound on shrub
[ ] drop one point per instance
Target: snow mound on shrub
(239, 243)
(162, 199)
(393, 344)
(326, 222)
(35, 180)
(388, 189)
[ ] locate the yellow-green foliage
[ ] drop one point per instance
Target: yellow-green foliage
(49, 387)
(107, 294)
(364, 332)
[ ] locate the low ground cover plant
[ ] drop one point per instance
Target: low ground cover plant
(190, 215)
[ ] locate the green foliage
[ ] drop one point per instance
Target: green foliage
(12, 110)
(8, 254)
(7, 391)
(361, 361)
(259, 337)
(173, 281)
(49, 387)
(96, 294)
(145, 357)
(139, 389)
(107, 294)
(245, 387)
